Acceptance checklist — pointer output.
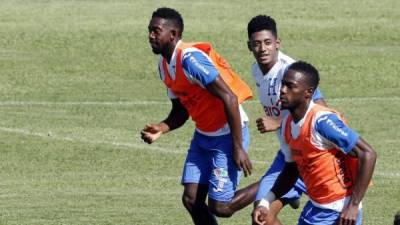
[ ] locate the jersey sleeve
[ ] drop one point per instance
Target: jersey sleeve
(332, 128)
(197, 65)
(317, 94)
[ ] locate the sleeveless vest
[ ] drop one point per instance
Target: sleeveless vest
(329, 175)
(206, 110)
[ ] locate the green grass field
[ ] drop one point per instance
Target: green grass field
(78, 81)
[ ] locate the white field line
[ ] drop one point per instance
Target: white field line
(53, 136)
(87, 103)
(128, 103)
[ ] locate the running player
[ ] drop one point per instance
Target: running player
(335, 163)
(267, 72)
(201, 85)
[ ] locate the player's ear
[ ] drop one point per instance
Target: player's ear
(309, 92)
(249, 45)
(174, 33)
(278, 43)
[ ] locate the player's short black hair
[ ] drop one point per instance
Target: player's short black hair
(262, 22)
(311, 73)
(170, 14)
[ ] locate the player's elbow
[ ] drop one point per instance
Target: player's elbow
(371, 155)
(230, 100)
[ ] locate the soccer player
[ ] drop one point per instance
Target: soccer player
(202, 86)
(335, 163)
(267, 72)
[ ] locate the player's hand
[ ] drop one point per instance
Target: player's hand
(242, 161)
(349, 215)
(150, 133)
(259, 215)
(268, 124)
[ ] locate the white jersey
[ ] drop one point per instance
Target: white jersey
(269, 85)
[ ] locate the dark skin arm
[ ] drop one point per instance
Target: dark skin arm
(285, 181)
(269, 123)
(176, 118)
(366, 163)
(221, 90)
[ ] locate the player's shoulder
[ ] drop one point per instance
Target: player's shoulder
(323, 115)
(255, 70)
(284, 59)
(193, 52)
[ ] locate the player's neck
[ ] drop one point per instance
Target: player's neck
(300, 111)
(265, 68)
(169, 51)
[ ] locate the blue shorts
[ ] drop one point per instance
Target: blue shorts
(312, 215)
(269, 178)
(210, 161)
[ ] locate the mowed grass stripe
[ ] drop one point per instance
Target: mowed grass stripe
(54, 136)
(139, 102)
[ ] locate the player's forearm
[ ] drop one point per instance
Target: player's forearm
(222, 91)
(234, 120)
(286, 180)
(176, 118)
(366, 164)
(173, 122)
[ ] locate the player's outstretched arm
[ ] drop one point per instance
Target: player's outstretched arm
(285, 181)
(366, 163)
(176, 118)
(220, 89)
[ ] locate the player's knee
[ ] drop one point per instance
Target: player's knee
(188, 201)
(220, 209)
(224, 212)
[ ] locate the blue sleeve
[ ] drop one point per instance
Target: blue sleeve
(317, 94)
(199, 67)
(333, 129)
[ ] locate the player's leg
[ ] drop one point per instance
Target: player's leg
(196, 173)
(241, 199)
(223, 199)
(193, 199)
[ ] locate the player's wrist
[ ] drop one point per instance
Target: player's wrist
(238, 147)
(267, 200)
(164, 127)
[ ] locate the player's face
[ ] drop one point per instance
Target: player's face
(293, 90)
(264, 46)
(160, 35)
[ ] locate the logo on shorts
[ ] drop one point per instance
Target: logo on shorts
(220, 172)
(221, 175)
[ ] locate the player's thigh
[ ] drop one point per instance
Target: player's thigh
(197, 167)
(225, 176)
